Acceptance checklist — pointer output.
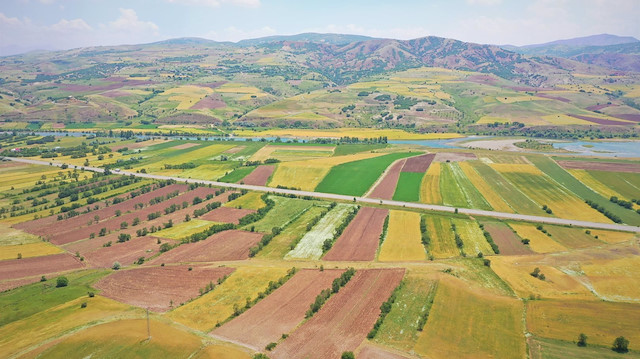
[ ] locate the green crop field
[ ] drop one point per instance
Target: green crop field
(237, 175)
(408, 187)
(457, 190)
(355, 178)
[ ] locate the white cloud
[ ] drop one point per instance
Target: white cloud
(129, 21)
(217, 3)
(73, 25)
(9, 21)
(233, 33)
(401, 33)
(484, 2)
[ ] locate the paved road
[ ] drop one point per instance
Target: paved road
(421, 206)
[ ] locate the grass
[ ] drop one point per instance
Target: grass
(627, 184)
(457, 190)
(251, 200)
(127, 338)
(310, 246)
(237, 175)
(11, 236)
(408, 187)
(496, 201)
(28, 250)
(400, 327)
(57, 321)
(450, 333)
(472, 237)
(349, 149)
(184, 229)
(572, 237)
(605, 191)
(187, 95)
(602, 322)
(443, 244)
(402, 242)
(430, 186)
(280, 244)
(391, 134)
(216, 306)
(283, 212)
(556, 349)
(30, 299)
(355, 178)
(539, 242)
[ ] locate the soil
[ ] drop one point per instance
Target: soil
(157, 287)
(124, 253)
(360, 239)
(226, 215)
(11, 284)
(558, 98)
(601, 121)
(210, 102)
(135, 145)
(37, 266)
(345, 319)
(224, 246)
(387, 186)
(235, 149)
(419, 164)
(601, 166)
(628, 117)
(370, 351)
(259, 176)
(456, 156)
(508, 242)
(184, 146)
(280, 312)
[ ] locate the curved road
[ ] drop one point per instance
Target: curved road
(421, 206)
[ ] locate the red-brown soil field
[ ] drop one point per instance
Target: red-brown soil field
(124, 253)
(419, 164)
(37, 266)
(600, 121)
(387, 186)
(259, 176)
(344, 321)
(558, 98)
(507, 241)
(454, 156)
(227, 214)
(156, 287)
(224, 246)
(360, 239)
(601, 166)
(280, 312)
(369, 351)
(209, 102)
(10, 284)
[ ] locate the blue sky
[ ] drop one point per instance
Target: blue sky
(62, 24)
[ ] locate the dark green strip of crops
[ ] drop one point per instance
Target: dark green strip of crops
(408, 188)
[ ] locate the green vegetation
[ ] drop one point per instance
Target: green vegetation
(348, 149)
(457, 190)
(237, 175)
(408, 188)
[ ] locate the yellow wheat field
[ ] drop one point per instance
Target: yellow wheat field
(615, 279)
(443, 244)
(472, 237)
(430, 187)
(391, 134)
(187, 95)
(488, 192)
(516, 167)
(539, 241)
(403, 238)
(27, 250)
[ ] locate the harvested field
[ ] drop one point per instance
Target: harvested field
(226, 214)
(454, 156)
(251, 200)
(403, 238)
(210, 102)
(615, 280)
(387, 186)
(359, 241)
(601, 121)
(37, 266)
(280, 312)
(370, 351)
(135, 145)
(539, 242)
(572, 237)
(430, 187)
(184, 146)
(555, 349)
(124, 253)
(419, 164)
(159, 288)
(344, 321)
(259, 176)
(235, 149)
(224, 246)
(601, 166)
(508, 242)
(37, 249)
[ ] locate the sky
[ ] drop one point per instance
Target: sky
(27, 25)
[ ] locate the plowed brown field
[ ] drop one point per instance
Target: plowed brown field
(259, 176)
(227, 214)
(360, 239)
(158, 288)
(124, 253)
(387, 186)
(36, 266)
(507, 241)
(601, 166)
(419, 164)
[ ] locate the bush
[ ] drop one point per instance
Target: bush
(271, 346)
(62, 282)
(115, 266)
(347, 355)
(620, 345)
(582, 340)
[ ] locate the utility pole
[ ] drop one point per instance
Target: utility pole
(148, 328)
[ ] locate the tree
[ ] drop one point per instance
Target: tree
(620, 345)
(582, 340)
(62, 282)
(347, 355)
(116, 266)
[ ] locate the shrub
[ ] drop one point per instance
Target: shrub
(62, 282)
(347, 355)
(582, 340)
(620, 345)
(115, 266)
(83, 305)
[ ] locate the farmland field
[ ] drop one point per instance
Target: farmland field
(402, 242)
(457, 190)
(442, 243)
(408, 189)
(430, 186)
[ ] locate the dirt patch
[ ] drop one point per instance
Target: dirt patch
(628, 117)
(224, 246)
(259, 176)
(387, 186)
(360, 239)
(192, 118)
(481, 79)
(508, 242)
(213, 85)
(280, 312)
(419, 164)
(210, 102)
(11, 284)
(370, 351)
(115, 94)
(601, 166)
(124, 253)
(598, 107)
(135, 145)
(57, 125)
(37, 266)
(601, 121)
(344, 321)
(235, 149)
(159, 288)
(456, 156)
(184, 146)
(227, 214)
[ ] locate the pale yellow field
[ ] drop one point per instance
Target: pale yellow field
(184, 229)
(539, 242)
(617, 279)
(612, 236)
(292, 151)
(492, 119)
(443, 244)
(514, 99)
(516, 167)
(251, 200)
(403, 238)
(187, 95)
(11, 236)
(216, 306)
(306, 175)
(238, 89)
(351, 132)
(472, 237)
(430, 187)
(53, 322)
(37, 249)
(515, 271)
(602, 322)
(588, 180)
(562, 119)
(487, 190)
(458, 322)
(225, 350)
